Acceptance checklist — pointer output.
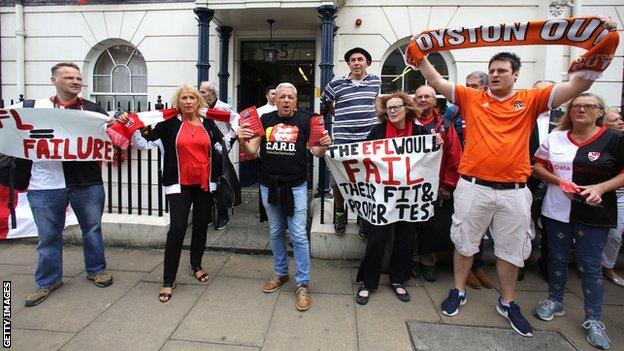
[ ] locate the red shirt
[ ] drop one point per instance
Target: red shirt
(193, 146)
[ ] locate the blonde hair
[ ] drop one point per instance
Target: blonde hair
(411, 110)
(175, 99)
(565, 123)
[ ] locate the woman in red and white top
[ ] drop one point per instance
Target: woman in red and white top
(582, 164)
(189, 142)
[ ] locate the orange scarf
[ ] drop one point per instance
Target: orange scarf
(585, 32)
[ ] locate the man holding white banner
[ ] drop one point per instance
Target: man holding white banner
(55, 183)
(391, 181)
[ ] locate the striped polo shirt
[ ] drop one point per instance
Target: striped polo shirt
(354, 115)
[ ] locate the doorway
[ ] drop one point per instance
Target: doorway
(265, 63)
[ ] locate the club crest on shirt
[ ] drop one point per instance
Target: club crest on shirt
(518, 105)
(593, 155)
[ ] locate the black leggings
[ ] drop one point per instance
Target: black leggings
(400, 260)
(179, 208)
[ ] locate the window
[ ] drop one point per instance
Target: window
(120, 79)
(395, 75)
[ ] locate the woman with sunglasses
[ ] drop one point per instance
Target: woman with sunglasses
(582, 164)
(397, 114)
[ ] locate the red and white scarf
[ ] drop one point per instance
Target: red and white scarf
(584, 32)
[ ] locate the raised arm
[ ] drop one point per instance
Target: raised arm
(248, 143)
(434, 79)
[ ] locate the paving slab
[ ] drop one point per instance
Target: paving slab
(381, 322)
(18, 254)
(428, 336)
(38, 340)
(139, 260)
(329, 324)
(212, 263)
(21, 286)
(252, 266)
(568, 325)
(241, 236)
(330, 277)
(615, 314)
(138, 321)
(178, 345)
(231, 311)
(7, 270)
(480, 308)
(75, 304)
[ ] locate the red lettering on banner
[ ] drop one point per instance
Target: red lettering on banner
(408, 169)
(97, 148)
(350, 171)
(83, 155)
(371, 169)
(365, 148)
(389, 161)
(377, 145)
(43, 149)
(387, 150)
(28, 144)
(66, 154)
(55, 150)
(108, 151)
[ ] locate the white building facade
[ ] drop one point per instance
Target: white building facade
(130, 52)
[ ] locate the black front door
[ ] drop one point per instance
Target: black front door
(265, 63)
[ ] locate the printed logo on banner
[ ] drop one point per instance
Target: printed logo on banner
(388, 180)
(593, 155)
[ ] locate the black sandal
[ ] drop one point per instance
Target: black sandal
(403, 297)
(362, 300)
(202, 278)
(165, 297)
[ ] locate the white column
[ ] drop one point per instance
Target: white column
(20, 37)
(554, 64)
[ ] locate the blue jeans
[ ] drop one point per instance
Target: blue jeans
(296, 224)
(48, 208)
(589, 243)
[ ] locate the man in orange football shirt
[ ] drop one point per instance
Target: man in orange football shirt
(494, 168)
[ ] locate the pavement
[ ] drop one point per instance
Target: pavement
(230, 312)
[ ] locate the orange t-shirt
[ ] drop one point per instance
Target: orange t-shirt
(498, 130)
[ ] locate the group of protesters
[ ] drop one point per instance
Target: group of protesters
(513, 165)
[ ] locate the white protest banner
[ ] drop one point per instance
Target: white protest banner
(40, 134)
(25, 223)
(388, 180)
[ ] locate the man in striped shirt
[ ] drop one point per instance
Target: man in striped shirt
(351, 100)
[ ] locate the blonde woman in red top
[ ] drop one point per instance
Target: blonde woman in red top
(188, 141)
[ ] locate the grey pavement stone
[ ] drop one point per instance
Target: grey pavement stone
(241, 236)
(123, 259)
(532, 280)
(615, 314)
(329, 324)
(38, 340)
(7, 270)
(75, 304)
(479, 310)
(138, 321)
(21, 286)
(331, 277)
(381, 322)
(18, 254)
(570, 324)
(211, 262)
(252, 266)
(231, 311)
(177, 345)
(427, 336)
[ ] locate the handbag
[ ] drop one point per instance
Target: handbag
(228, 192)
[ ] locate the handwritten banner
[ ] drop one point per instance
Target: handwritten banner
(388, 180)
(40, 134)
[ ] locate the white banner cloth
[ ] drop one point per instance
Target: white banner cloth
(388, 180)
